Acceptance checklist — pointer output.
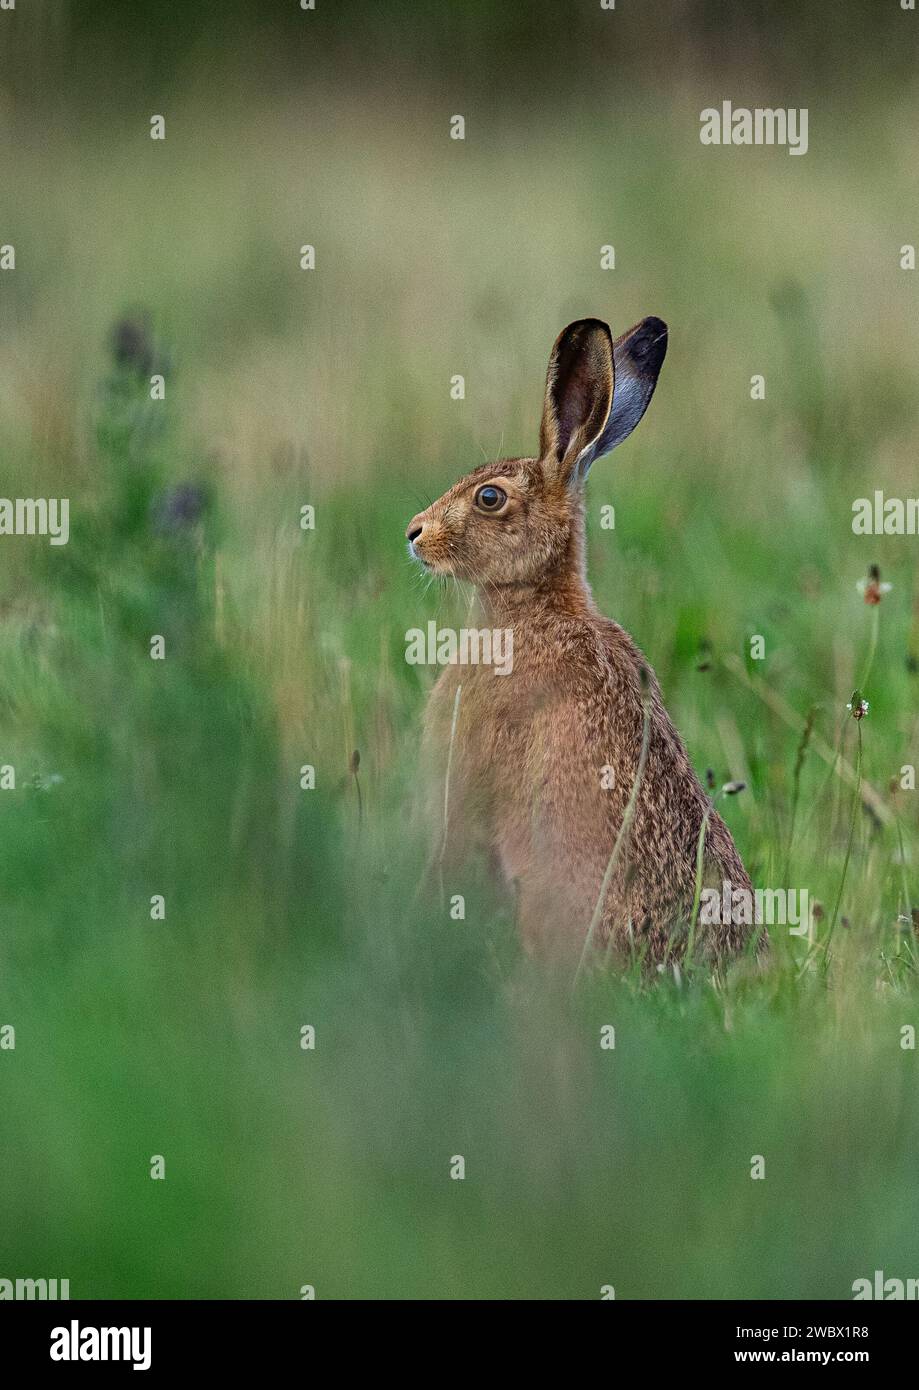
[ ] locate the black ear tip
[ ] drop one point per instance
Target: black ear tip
(649, 344)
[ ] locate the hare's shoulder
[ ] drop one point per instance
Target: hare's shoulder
(582, 688)
(603, 661)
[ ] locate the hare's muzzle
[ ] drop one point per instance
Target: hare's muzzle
(413, 533)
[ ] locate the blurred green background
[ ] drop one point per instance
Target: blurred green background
(181, 777)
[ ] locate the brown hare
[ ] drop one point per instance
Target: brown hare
(541, 760)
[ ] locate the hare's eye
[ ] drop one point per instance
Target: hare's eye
(490, 499)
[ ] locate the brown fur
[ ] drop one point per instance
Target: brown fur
(529, 748)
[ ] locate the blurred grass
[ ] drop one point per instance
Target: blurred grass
(181, 777)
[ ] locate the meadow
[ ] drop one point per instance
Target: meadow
(135, 1037)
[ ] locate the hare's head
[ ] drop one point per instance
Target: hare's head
(518, 521)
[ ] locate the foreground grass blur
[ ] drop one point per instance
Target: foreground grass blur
(181, 777)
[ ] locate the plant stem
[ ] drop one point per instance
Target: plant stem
(872, 646)
(796, 784)
(906, 897)
(443, 843)
(852, 819)
(823, 750)
(700, 861)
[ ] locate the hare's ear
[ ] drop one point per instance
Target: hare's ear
(579, 394)
(638, 357)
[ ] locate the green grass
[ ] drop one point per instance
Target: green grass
(136, 1037)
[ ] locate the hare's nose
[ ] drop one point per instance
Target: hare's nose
(414, 529)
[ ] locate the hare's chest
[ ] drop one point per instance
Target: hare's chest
(480, 722)
(495, 733)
